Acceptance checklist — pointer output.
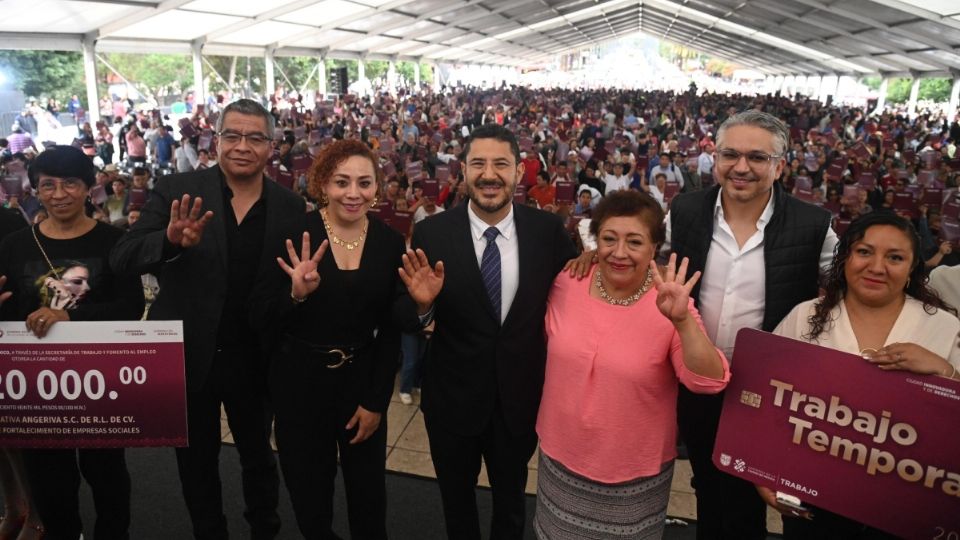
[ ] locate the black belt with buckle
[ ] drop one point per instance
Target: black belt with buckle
(334, 356)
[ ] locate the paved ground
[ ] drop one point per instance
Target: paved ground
(408, 452)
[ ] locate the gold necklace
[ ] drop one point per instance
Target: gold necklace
(339, 241)
(628, 300)
(43, 252)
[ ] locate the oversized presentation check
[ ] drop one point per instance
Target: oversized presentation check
(93, 385)
(879, 447)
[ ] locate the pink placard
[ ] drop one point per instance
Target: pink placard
(136, 198)
(12, 186)
(443, 173)
(840, 434)
(93, 385)
(301, 163)
(430, 187)
(566, 192)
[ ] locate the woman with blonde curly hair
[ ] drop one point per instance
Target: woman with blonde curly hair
(332, 375)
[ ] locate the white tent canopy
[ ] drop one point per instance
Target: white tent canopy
(908, 38)
(891, 38)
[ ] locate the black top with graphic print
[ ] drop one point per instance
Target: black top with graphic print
(80, 280)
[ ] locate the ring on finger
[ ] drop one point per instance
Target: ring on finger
(898, 357)
(40, 320)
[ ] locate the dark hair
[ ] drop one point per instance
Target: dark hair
(760, 119)
(251, 108)
(63, 162)
(835, 283)
(629, 203)
(493, 131)
(331, 156)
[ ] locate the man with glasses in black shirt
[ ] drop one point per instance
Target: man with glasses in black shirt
(207, 236)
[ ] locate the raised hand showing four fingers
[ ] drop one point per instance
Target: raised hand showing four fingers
(673, 289)
(302, 269)
(186, 224)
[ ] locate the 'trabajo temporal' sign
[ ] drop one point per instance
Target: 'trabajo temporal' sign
(879, 447)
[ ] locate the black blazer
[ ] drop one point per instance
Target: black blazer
(192, 284)
(472, 359)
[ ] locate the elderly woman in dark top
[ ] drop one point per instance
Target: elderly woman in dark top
(59, 271)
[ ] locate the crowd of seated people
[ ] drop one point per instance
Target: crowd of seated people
(577, 149)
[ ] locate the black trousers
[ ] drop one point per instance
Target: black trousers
(829, 526)
(55, 480)
(236, 382)
(456, 459)
(728, 508)
(313, 406)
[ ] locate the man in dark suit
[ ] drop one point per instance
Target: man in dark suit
(493, 266)
(207, 255)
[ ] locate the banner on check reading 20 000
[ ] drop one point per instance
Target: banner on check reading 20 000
(93, 385)
(879, 447)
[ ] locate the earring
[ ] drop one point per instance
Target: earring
(376, 201)
(908, 284)
(323, 199)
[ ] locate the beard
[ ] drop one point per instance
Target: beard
(486, 205)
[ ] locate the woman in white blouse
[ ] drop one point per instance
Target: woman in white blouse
(877, 304)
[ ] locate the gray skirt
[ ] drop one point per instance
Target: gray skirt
(572, 507)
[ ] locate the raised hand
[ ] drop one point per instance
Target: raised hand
(673, 289)
(423, 283)
(302, 269)
(186, 224)
(4, 296)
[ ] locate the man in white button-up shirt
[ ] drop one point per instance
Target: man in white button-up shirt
(760, 252)
(483, 372)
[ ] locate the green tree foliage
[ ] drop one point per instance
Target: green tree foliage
(299, 69)
(936, 89)
(155, 75)
(872, 83)
(405, 70)
(678, 54)
(231, 73)
(43, 74)
(720, 68)
(898, 90)
(375, 68)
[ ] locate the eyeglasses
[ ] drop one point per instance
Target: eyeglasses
(253, 139)
(755, 160)
(70, 185)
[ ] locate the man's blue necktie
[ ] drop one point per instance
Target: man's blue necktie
(490, 268)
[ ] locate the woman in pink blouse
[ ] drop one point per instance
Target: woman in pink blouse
(615, 354)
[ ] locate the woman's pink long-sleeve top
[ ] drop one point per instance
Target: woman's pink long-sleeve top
(609, 402)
